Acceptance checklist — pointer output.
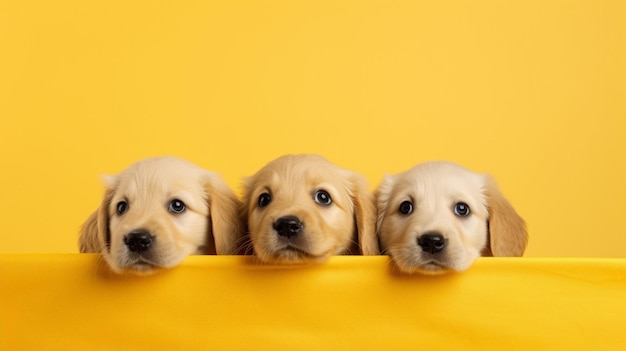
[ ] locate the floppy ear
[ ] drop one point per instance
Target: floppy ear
(364, 215)
(88, 241)
(226, 227)
(95, 235)
(382, 195)
(507, 230)
(245, 246)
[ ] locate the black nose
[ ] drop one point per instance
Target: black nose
(138, 241)
(288, 226)
(432, 242)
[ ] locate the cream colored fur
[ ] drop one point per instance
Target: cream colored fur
(209, 224)
(493, 227)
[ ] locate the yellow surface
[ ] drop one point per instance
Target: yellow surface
(533, 92)
(64, 302)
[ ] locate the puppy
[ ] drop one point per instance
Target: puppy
(158, 211)
(440, 216)
(304, 209)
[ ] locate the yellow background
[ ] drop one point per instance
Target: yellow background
(533, 92)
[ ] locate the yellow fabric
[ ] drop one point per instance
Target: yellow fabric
(69, 302)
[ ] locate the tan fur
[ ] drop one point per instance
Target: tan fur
(507, 230)
(209, 224)
(227, 229)
(346, 226)
(434, 188)
(88, 241)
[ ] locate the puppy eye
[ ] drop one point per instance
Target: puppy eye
(177, 206)
(322, 198)
(406, 207)
(461, 209)
(264, 199)
(122, 207)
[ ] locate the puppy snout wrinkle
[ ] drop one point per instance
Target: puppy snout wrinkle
(138, 241)
(288, 226)
(432, 242)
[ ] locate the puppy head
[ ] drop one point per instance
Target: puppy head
(302, 208)
(158, 211)
(440, 216)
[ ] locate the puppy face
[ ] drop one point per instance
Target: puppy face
(440, 216)
(302, 208)
(157, 212)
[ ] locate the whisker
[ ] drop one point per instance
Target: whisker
(246, 249)
(243, 246)
(353, 243)
(384, 251)
(403, 257)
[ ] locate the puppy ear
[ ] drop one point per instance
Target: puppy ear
(364, 215)
(507, 230)
(245, 247)
(382, 195)
(88, 241)
(95, 235)
(226, 227)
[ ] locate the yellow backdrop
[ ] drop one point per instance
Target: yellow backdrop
(533, 92)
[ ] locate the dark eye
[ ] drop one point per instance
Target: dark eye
(122, 207)
(264, 199)
(461, 209)
(177, 206)
(406, 207)
(322, 198)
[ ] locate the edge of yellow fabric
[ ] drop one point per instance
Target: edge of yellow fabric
(71, 301)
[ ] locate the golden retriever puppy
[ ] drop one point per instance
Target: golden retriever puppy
(158, 211)
(439, 216)
(304, 209)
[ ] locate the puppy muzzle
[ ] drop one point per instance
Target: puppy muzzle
(288, 226)
(432, 242)
(139, 241)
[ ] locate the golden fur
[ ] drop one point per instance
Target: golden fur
(293, 183)
(434, 189)
(208, 223)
